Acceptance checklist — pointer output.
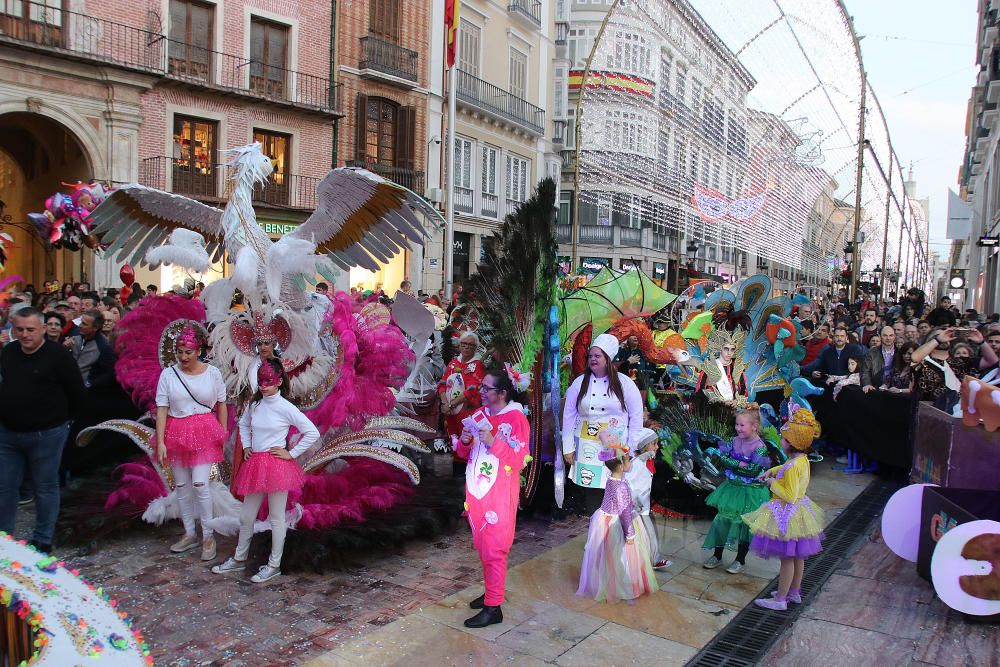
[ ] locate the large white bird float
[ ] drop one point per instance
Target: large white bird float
(361, 220)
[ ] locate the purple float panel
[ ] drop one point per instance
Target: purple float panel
(943, 509)
(948, 453)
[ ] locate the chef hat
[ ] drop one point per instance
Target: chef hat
(643, 438)
(608, 343)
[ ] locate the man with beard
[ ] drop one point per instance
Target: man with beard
(868, 328)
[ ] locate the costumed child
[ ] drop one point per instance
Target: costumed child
(616, 564)
(268, 465)
(495, 442)
(790, 526)
(853, 376)
(741, 460)
(640, 481)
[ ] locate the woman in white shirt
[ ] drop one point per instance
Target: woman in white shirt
(268, 465)
(190, 431)
(599, 400)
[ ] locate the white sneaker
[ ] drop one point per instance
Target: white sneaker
(736, 568)
(208, 549)
(230, 565)
(711, 563)
(265, 573)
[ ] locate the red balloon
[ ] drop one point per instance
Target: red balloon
(127, 274)
(124, 293)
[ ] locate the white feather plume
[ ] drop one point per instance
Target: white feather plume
(217, 297)
(288, 256)
(185, 248)
(245, 271)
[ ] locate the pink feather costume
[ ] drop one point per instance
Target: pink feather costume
(375, 360)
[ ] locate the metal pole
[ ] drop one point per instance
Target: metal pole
(576, 134)
(856, 260)
(899, 252)
(449, 240)
(885, 238)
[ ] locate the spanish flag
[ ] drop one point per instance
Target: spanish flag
(451, 30)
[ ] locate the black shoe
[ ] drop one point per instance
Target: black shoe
(488, 616)
(41, 548)
(479, 602)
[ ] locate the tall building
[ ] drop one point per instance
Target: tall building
(153, 92)
(504, 136)
(980, 173)
(684, 122)
(384, 65)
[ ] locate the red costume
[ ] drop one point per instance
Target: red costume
(492, 490)
(472, 372)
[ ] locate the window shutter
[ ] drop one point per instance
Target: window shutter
(406, 137)
(360, 128)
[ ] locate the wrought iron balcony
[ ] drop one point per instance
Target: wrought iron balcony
(529, 9)
(41, 27)
(564, 233)
(235, 74)
(408, 178)
(499, 103)
(629, 236)
(206, 182)
(381, 55)
(595, 234)
(562, 33)
(559, 132)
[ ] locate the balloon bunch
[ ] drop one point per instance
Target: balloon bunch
(127, 274)
(65, 222)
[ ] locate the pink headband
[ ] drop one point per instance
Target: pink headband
(266, 375)
(189, 338)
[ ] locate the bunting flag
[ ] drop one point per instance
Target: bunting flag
(451, 29)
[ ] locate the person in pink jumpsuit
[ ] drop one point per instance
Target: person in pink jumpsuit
(493, 486)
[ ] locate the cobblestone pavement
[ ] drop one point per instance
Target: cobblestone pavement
(193, 617)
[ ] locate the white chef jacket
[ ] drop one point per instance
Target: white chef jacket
(600, 408)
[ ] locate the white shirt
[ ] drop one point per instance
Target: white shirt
(640, 481)
(265, 425)
(208, 387)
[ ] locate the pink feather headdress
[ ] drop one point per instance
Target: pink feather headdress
(189, 338)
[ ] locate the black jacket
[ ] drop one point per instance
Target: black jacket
(39, 391)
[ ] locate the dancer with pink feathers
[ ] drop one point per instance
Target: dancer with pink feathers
(495, 441)
(269, 467)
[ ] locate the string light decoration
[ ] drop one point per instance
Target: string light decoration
(735, 123)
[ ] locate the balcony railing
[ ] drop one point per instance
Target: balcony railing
(201, 180)
(529, 9)
(498, 102)
(463, 200)
(598, 234)
(35, 25)
(564, 233)
(659, 241)
(389, 58)
(236, 74)
(629, 236)
(408, 178)
(513, 205)
(489, 205)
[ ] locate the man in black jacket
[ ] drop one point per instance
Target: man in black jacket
(39, 395)
(833, 359)
(942, 315)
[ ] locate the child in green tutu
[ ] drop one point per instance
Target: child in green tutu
(742, 460)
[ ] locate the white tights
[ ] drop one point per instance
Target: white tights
(275, 515)
(198, 477)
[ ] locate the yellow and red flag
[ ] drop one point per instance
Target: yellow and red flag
(451, 29)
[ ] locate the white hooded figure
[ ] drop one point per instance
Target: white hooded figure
(640, 481)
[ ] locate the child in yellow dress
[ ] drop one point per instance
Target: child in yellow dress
(790, 525)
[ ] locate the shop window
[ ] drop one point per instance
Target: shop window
(190, 46)
(195, 146)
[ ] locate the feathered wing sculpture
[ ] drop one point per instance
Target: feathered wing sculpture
(513, 288)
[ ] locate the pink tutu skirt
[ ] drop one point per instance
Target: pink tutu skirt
(194, 440)
(612, 568)
(264, 472)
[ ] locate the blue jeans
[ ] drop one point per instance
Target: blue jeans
(40, 452)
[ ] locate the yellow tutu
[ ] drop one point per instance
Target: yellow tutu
(786, 521)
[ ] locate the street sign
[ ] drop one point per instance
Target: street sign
(988, 241)
(956, 278)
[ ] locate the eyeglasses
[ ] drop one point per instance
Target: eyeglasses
(486, 387)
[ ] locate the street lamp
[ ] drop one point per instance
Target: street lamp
(877, 271)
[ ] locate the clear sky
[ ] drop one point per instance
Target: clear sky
(920, 56)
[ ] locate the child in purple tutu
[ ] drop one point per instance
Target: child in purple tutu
(616, 560)
(790, 525)
(268, 466)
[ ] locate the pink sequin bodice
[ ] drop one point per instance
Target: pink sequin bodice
(618, 500)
